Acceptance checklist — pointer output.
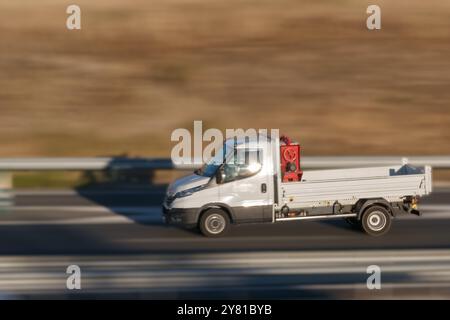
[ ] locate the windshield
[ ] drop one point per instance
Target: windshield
(245, 161)
(210, 167)
(207, 170)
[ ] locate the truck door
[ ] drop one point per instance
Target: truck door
(246, 186)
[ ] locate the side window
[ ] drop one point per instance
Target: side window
(245, 163)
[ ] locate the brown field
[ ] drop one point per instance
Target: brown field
(139, 69)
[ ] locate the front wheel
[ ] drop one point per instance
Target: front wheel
(376, 221)
(214, 223)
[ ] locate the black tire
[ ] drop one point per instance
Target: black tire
(376, 221)
(214, 223)
(353, 222)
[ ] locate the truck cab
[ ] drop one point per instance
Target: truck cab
(236, 185)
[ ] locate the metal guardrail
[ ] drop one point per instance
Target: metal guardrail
(315, 162)
(437, 162)
(8, 166)
(80, 164)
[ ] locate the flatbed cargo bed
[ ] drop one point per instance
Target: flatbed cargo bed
(346, 186)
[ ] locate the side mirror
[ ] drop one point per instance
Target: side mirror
(220, 175)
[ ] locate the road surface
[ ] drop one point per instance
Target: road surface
(123, 249)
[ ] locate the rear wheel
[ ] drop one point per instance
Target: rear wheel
(376, 221)
(214, 223)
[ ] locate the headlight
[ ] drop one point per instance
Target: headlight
(188, 192)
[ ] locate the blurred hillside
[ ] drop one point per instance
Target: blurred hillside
(139, 69)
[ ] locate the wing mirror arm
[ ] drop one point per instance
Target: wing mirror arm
(220, 175)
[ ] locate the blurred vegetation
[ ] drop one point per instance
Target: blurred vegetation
(34, 180)
(94, 179)
(140, 69)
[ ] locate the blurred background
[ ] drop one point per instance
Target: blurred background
(139, 69)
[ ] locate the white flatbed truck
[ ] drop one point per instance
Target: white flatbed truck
(225, 192)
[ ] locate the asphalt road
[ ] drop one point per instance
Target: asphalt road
(124, 250)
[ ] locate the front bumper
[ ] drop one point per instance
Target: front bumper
(187, 217)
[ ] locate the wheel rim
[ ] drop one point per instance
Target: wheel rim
(376, 221)
(215, 223)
